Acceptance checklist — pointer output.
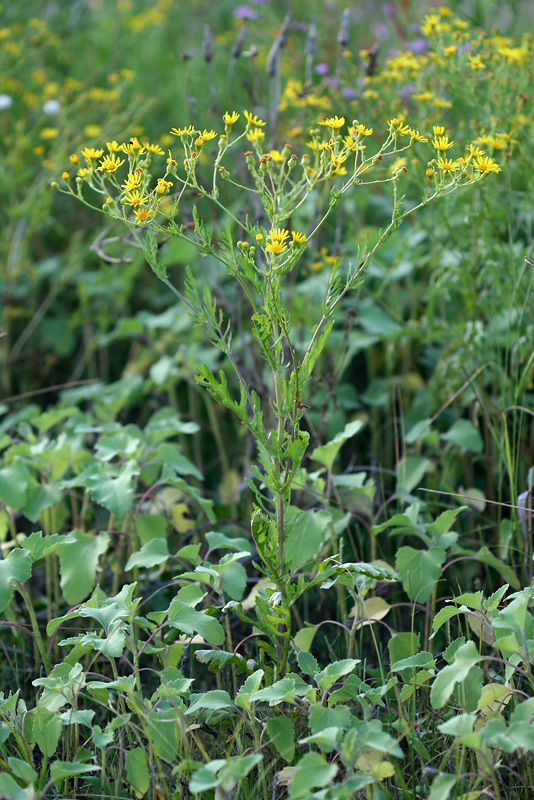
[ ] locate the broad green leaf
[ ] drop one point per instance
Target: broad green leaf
(321, 718)
(251, 685)
(151, 554)
(304, 638)
(41, 546)
(279, 692)
(465, 435)
(326, 739)
(220, 541)
(137, 771)
(124, 442)
(444, 522)
(214, 701)
(312, 772)
(59, 770)
(11, 790)
(334, 671)
(13, 485)
(419, 661)
(419, 571)
(282, 735)
(78, 562)
(402, 645)
(410, 473)
(164, 733)
(234, 581)
(46, 730)
(459, 725)
(306, 536)
(203, 780)
(170, 454)
(39, 497)
(16, 567)
(188, 620)
(115, 494)
(485, 556)
(22, 769)
(151, 526)
(101, 740)
(372, 734)
(442, 688)
(442, 786)
(327, 453)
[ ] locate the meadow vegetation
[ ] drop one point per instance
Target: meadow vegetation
(266, 429)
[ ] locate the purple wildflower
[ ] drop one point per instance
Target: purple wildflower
(348, 93)
(245, 12)
(321, 68)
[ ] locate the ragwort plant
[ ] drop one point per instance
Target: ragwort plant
(259, 252)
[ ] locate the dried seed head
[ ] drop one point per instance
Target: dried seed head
(343, 35)
(310, 41)
(238, 42)
(207, 44)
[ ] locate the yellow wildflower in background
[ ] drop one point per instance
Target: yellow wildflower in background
(133, 147)
(92, 131)
(476, 63)
(49, 133)
(113, 147)
(255, 135)
(163, 186)
(276, 156)
(417, 137)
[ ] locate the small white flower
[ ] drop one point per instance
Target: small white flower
(51, 107)
(5, 101)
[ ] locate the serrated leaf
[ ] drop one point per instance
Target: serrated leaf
(13, 485)
(115, 494)
(214, 701)
(307, 663)
(59, 770)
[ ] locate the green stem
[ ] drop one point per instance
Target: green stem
(35, 627)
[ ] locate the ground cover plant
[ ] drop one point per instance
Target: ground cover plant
(219, 576)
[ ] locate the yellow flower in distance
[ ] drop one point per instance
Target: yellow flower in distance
(153, 148)
(255, 135)
(110, 163)
(252, 119)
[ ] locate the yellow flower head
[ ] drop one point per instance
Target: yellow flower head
(90, 154)
(113, 147)
(278, 235)
(153, 148)
(448, 165)
(171, 162)
(255, 135)
(189, 131)
(133, 181)
(276, 156)
(398, 126)
(142, 215)
(133, 147)
(134, 198)
(334, 123)
(252, 119)
(230, 119)
(486, 164)
(476, 63)
(73, 158)
(110, 163)
(49, 133)
(84, 173)
(163, 186)
(417, 137)
(276, 247)
(473, 150)
(65, 176)
(441, 143)
(438, 130)
(360, 130)
(298, 237)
